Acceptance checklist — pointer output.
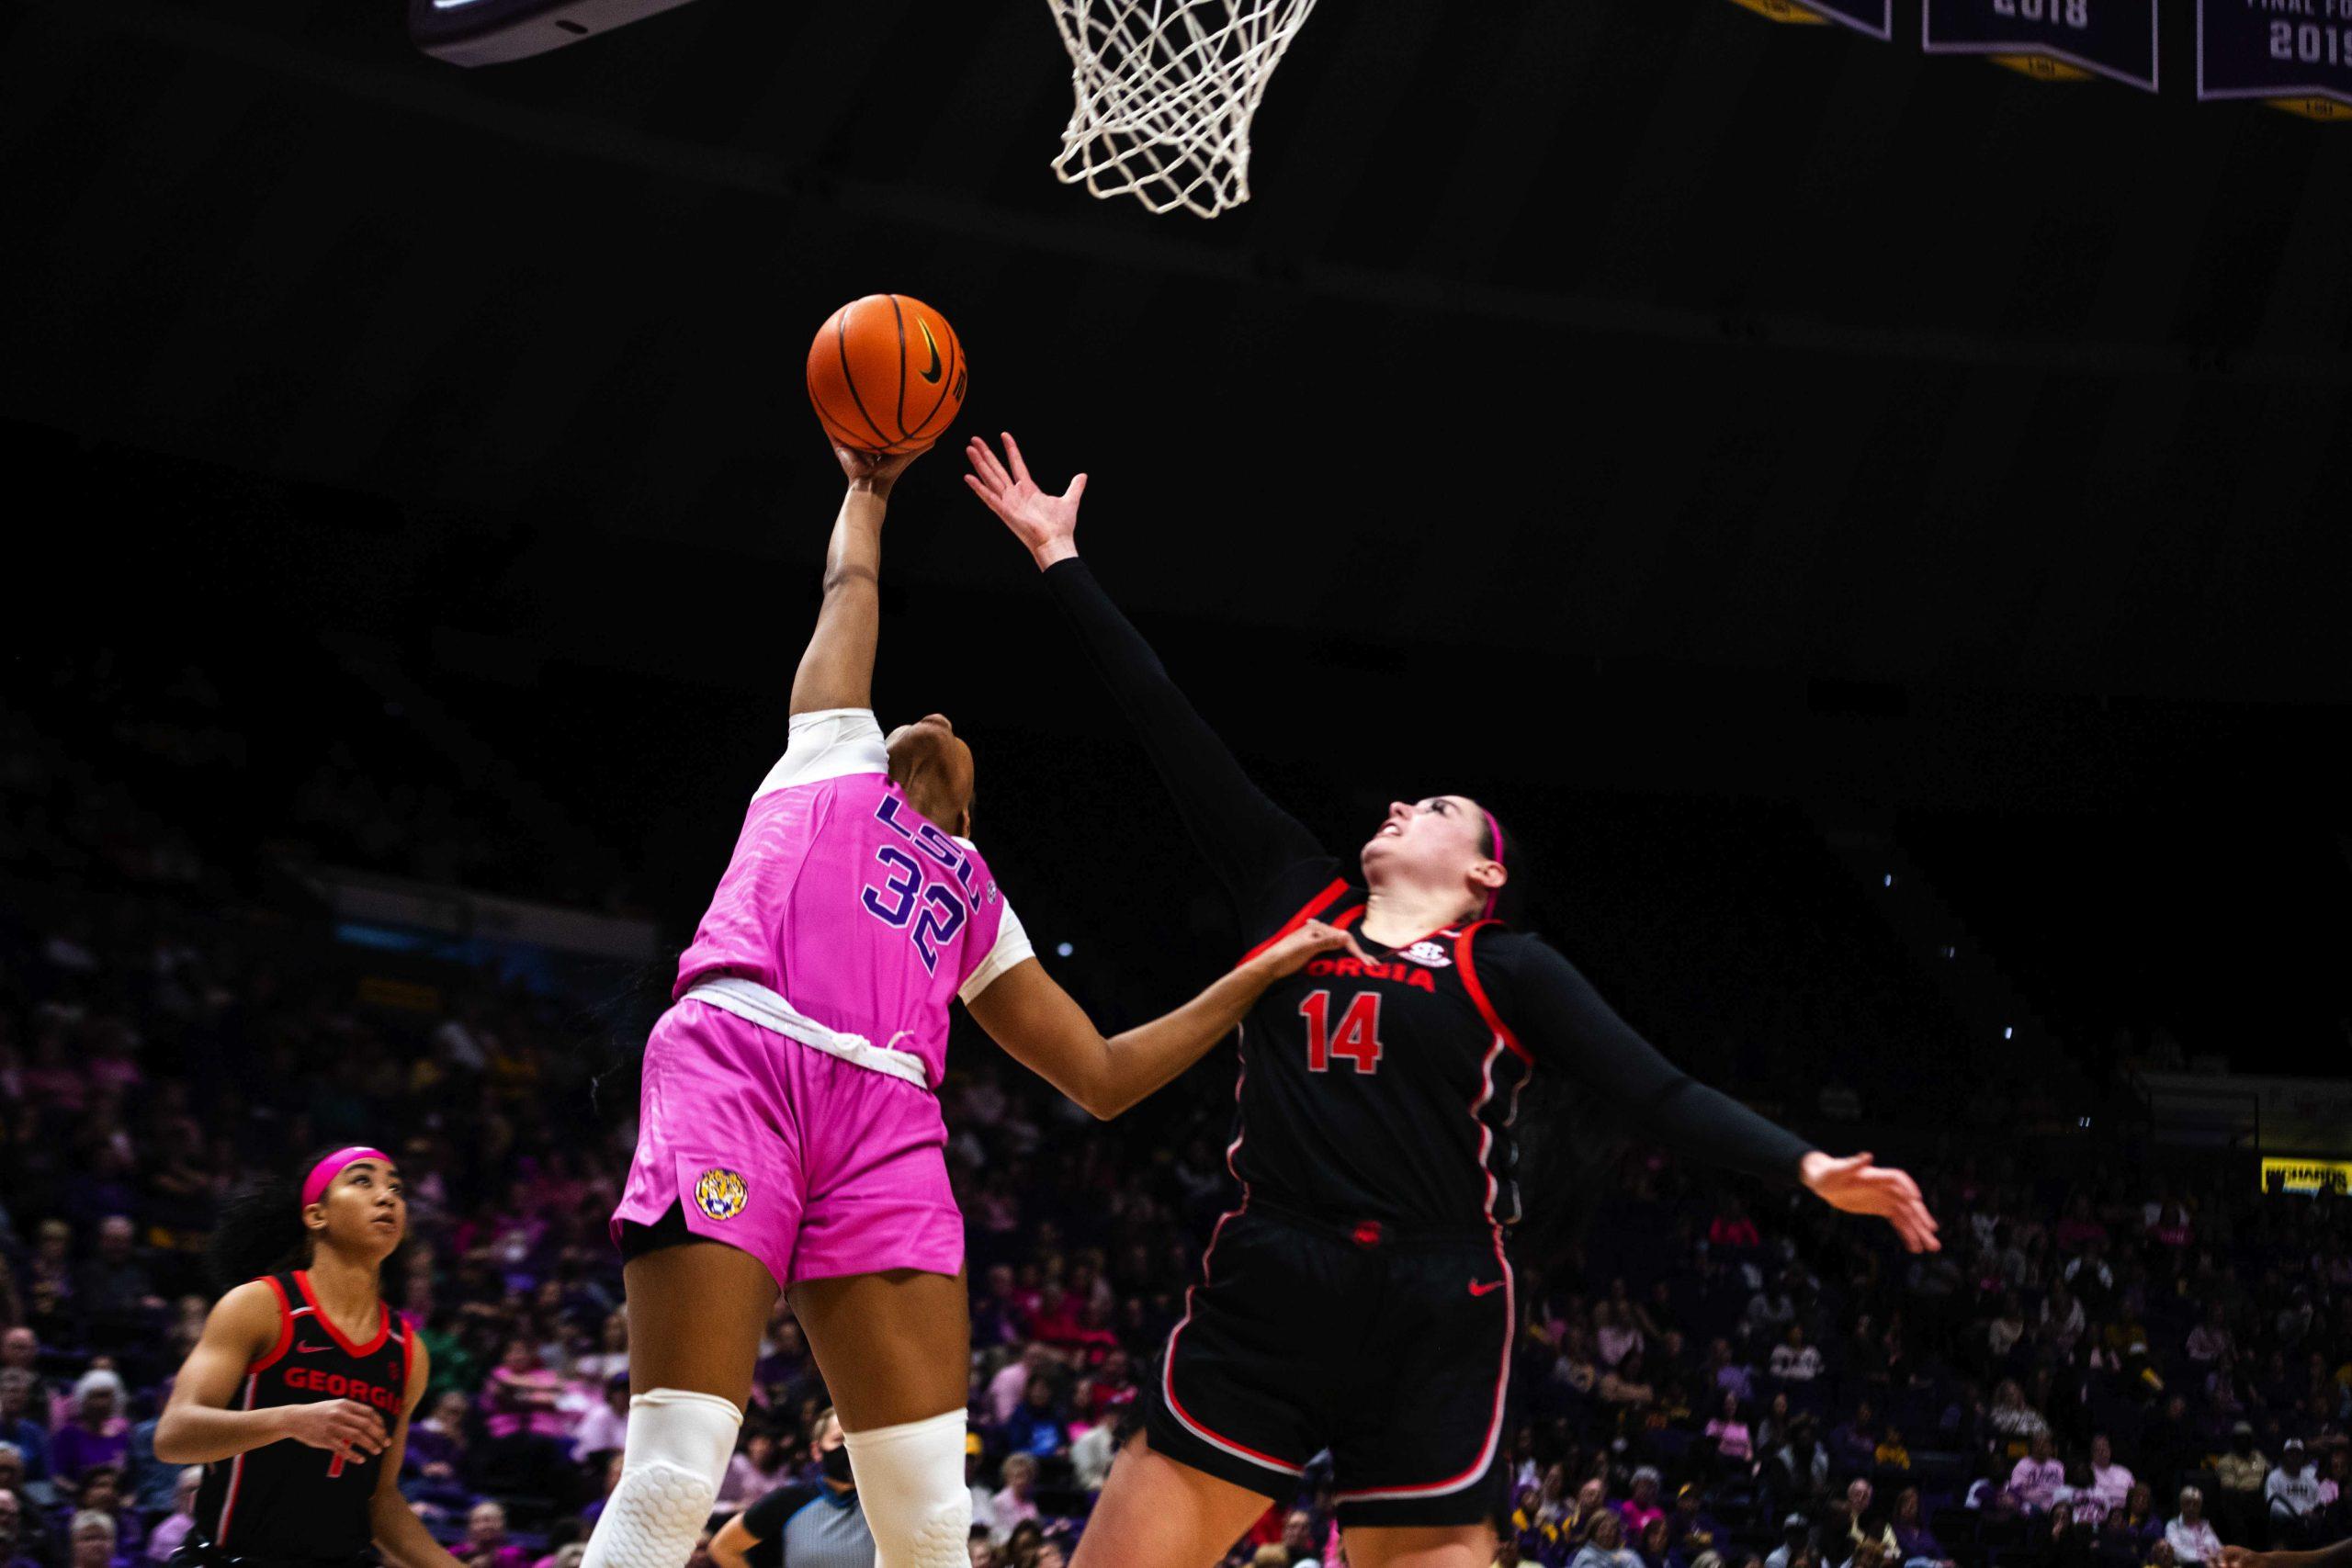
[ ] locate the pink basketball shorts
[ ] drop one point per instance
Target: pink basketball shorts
(814, 1166)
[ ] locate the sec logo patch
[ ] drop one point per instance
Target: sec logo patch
(720, 1194)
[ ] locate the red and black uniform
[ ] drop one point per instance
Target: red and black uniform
(288, 1502)
(1360, 1297)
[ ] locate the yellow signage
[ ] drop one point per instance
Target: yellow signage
(2042, 68)
(1784, 11)
(2314, 109)
(2306, 1175)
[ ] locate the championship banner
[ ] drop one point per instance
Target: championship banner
(2052, 39)
(2306, 1175)
(1875, 18)
(2297, 53)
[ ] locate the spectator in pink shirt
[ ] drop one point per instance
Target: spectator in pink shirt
(523, 1396)
(526, 1411)
(1011, 1386)
(1729, 1432)
(2035, 1481)
(2110, 1483)
(1643, 1507)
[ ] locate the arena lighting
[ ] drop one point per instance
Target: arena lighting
(2008, 1031)
(1890, 879)
(490, 32)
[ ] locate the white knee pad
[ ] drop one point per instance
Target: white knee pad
(675, 1453)
(911, 1484)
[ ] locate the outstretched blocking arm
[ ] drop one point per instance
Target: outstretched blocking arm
(837, 670)
(1248, 840)
(1569, 1025)
(1041, 1027)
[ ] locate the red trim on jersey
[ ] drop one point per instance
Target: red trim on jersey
(1478, 992)
(285, 1329)
(1315, 906)
(383, 1320)
(408, 1355)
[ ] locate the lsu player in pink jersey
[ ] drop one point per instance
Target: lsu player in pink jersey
(790, 1132)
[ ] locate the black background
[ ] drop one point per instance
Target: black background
(1618, 402)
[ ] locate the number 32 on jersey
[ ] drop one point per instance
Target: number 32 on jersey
(1356, 1037)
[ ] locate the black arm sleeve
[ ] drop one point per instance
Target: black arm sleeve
(1248, 840)
(1564, 1023)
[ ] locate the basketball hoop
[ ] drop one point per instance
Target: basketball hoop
(1165, 91)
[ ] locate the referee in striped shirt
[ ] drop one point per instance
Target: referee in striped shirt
(810, 1525)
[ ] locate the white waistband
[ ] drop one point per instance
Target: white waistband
(754, 1003)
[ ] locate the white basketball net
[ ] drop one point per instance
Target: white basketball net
(1165, 93)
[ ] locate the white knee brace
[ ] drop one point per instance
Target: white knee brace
(672, 1459)
(911, 1484)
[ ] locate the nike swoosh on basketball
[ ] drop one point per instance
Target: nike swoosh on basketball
(1489, 1288)
(931, 374)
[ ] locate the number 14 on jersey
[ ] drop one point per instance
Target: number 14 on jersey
(1357, 1038)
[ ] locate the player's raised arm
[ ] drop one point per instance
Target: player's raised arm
(837, 671)
(1569, 1023)
(1041, 1027)
(1248, 839)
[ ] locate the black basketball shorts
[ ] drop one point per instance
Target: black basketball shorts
(1393, 1352)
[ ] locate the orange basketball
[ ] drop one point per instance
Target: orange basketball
(886, 374)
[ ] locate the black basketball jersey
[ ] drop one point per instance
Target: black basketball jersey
(1381, 1094)
(288, 1499)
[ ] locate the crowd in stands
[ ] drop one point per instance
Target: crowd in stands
(2106, 1367)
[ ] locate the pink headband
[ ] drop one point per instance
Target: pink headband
(1494, 830)
(323, 1175)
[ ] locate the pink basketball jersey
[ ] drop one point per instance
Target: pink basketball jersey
(844, 900)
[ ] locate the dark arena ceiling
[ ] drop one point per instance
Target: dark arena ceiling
(1626, 333)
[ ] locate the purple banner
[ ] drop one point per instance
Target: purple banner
(2275, 49)
(2111, 38)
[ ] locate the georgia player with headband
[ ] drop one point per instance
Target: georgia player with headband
(1375, 1146)
(790, 1135)
(297, 1398)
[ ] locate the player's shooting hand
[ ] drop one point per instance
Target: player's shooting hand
(1859, 1186)
(1289, 956)
(874, 471)
(1045, 522)
(345, 1428)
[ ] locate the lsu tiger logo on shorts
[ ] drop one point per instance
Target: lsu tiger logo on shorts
(720, 1194)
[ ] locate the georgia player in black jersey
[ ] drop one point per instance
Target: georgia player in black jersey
(296, 1399)
(1360, 1299)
